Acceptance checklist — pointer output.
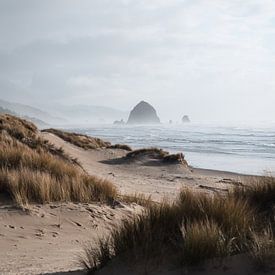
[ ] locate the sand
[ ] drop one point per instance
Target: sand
(49, 239)
(147, 176)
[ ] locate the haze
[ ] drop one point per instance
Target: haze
(213, 60)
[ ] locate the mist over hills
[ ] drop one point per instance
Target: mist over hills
(83, 114)
(63, 114)
(30, 111)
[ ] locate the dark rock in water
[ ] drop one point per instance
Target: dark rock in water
(143, 113)
(119, 122)
(185, 119)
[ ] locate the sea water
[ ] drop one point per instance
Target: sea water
(237, 149)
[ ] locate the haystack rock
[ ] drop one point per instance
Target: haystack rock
(185, 119)
(143, 113)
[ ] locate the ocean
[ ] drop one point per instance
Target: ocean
(236, 149)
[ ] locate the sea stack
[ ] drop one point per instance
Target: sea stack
(185, 119)
(143, 113)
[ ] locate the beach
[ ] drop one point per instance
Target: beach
(50, 238)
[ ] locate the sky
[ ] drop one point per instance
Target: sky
(211, 59)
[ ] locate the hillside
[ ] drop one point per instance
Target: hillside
(36, 121)
(89, 113)
(30, 112)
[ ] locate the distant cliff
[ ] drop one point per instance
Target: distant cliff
(143, 113)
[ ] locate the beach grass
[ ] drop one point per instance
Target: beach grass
(196, 228)
(33, 171)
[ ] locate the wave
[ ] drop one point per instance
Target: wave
(229, 145)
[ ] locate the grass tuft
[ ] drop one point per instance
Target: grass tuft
(157, 153)
(121, 146)
(263, 249)
(80, 140)
(203, 240)
(259, 192)
(33, 171)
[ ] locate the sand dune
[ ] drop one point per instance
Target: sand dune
(51, 237)
(147, 176)
(48, 239)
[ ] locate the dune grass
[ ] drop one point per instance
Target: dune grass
(196, 228)
(175, 158)
(138, 198)
(147, 151)
(203, 240)
(259, 192)
(120, 146)
(80, 140)
(86, 142)
(33, 171)
(193, 229)
(157, 154)
(263, 248)
(26, 186)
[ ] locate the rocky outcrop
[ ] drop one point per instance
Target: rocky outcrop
(185, 119)
(143, 113)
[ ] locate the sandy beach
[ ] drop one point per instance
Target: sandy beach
(46, 239)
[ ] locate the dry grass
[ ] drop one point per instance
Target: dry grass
(157, 153)
(17, 128)
(175, 158)
(82, 141)
(234, 216)
(193, 229)
(197, 227)
(13, 128)
(26, 186)
(121, 146)
(138, 198)
(154, 152)
(259, 192)
(96, 257)
(33, 171)
(86, 142)
(203, 240)
(263, 248)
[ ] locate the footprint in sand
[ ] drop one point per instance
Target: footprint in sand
(55, 234)
(11, 226)
(40, 233)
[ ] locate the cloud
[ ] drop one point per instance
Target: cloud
(175, 53)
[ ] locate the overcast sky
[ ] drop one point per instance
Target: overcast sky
(211, 59)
